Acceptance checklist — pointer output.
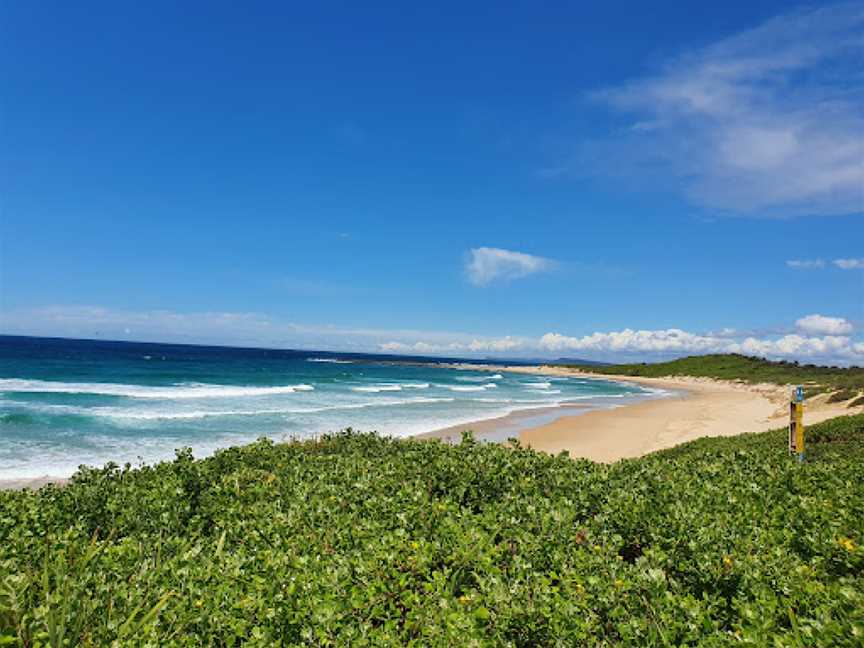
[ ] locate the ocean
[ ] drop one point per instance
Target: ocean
(64, 403)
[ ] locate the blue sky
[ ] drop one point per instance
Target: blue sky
(625, 180)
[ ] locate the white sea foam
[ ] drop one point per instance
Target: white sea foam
(179, 391)
(115, 413)
(661, 393)
(149, 449)
(595, 396)
(329, 360)
(374, 389)
(479, 378)
(158, 418)
(156, 415)
(549, 403)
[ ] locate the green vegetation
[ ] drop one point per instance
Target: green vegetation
(842, 396)
(359, 540)
(731, 366)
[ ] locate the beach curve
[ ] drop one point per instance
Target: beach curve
(694, 408)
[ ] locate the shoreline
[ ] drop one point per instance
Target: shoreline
(690, 409)
(500, 429)
(695, 408)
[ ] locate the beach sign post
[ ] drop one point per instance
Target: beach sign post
(796, 423)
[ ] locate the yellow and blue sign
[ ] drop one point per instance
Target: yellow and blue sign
(796, 423)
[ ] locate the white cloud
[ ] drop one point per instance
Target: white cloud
(849, 264)
(500, 344)
(725, 332)
(488, 345)
(767, 121)
(829, 347)
(486, 264)
(644, 343)
(809, 264)
(418, 348)
(628, 340)
(821, 325)
(394, 347)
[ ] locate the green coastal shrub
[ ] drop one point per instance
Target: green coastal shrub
(842, 396)
(359, 540)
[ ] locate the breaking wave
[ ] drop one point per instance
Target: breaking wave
(179, 391)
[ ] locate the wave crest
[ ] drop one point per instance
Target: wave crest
(170, 392)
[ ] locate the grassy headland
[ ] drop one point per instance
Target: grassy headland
(360, 540)
(731, 366)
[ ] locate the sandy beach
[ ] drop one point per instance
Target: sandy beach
(698, 407)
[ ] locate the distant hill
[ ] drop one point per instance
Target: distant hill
(578, 361)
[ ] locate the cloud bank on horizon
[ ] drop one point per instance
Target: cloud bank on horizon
(766, 122)
(816, 338)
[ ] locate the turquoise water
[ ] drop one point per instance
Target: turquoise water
(69, 402)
